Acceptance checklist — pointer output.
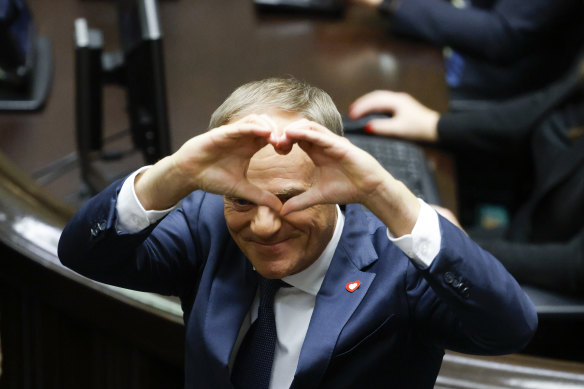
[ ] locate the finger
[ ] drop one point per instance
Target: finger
(304, 125)
(262, 122)
(321, 139)
(241, 130)
(300, 202)
(378, 101)
(280, 142)
(307, 124)
(381, 127)
(282, 146)
(250, 192)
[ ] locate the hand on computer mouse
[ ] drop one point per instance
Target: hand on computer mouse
(410, 119)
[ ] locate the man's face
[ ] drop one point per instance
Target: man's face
(280, 246)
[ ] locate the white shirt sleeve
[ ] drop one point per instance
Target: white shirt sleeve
(423, 244)
(132, 217)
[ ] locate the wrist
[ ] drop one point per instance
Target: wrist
(430, 125)
(161, 186)
(395, 205)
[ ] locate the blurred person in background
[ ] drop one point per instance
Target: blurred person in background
(526, 155)
(494, 49)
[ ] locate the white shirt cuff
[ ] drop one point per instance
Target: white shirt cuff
(132, 217)
(423, 244)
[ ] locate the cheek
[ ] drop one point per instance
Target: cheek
(236, 221)
(315, 222)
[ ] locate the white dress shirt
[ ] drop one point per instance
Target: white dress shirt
(292, 306)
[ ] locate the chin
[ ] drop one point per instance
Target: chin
(272, 273)
(272, 270)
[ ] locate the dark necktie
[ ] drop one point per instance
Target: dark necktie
(253, 364)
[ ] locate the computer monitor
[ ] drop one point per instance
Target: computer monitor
(25, 59)
(141, 40)
(16, 41)
(138, 68)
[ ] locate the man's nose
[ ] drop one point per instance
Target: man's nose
(266, 223)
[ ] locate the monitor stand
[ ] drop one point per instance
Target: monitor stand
(33, 95)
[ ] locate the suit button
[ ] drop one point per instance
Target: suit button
(457, 284)
(465, 292)
(98, 228)
(449, 278)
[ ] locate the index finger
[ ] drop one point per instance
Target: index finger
(250, 125)
(307, 138)
(376, 101)
(307, 124)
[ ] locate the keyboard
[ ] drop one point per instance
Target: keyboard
(404, 160)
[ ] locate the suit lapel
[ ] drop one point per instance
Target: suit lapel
(233, 289)
(334, 304)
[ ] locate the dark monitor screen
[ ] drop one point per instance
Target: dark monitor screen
(16, 37)
(141, 40)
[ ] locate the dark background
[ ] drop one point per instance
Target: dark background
(210, 48)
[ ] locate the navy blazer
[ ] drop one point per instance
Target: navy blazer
(505, 47)
(391, 331)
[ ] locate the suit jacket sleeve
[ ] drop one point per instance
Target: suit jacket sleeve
(469, 302)
(158, 259)
(555, 266)
(501, 34)
(504, 128)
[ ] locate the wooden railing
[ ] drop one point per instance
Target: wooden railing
(61, 330)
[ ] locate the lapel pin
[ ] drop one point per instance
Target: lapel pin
(352, 286)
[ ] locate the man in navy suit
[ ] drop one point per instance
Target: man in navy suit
(379, 286)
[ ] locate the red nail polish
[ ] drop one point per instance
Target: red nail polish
(369, 128)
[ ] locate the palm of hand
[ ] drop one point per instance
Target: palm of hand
(225, 164)
(343, 173)
(217, 161)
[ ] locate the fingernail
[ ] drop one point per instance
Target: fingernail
(369, 128)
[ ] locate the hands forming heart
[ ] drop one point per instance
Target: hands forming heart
(218, 160)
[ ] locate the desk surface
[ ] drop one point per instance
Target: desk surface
(210, 48)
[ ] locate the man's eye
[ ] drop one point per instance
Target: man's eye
(241, 202)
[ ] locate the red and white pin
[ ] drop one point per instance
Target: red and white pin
(353, 286)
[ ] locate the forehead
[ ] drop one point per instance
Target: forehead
(278, 172)
(275, 172)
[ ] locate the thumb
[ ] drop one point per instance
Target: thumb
(300, 202)
(258, 196)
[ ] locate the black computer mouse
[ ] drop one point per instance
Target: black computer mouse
(358, 125)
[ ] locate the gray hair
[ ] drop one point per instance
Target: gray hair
(287, 94)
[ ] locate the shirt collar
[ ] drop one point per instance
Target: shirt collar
(310, 279)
